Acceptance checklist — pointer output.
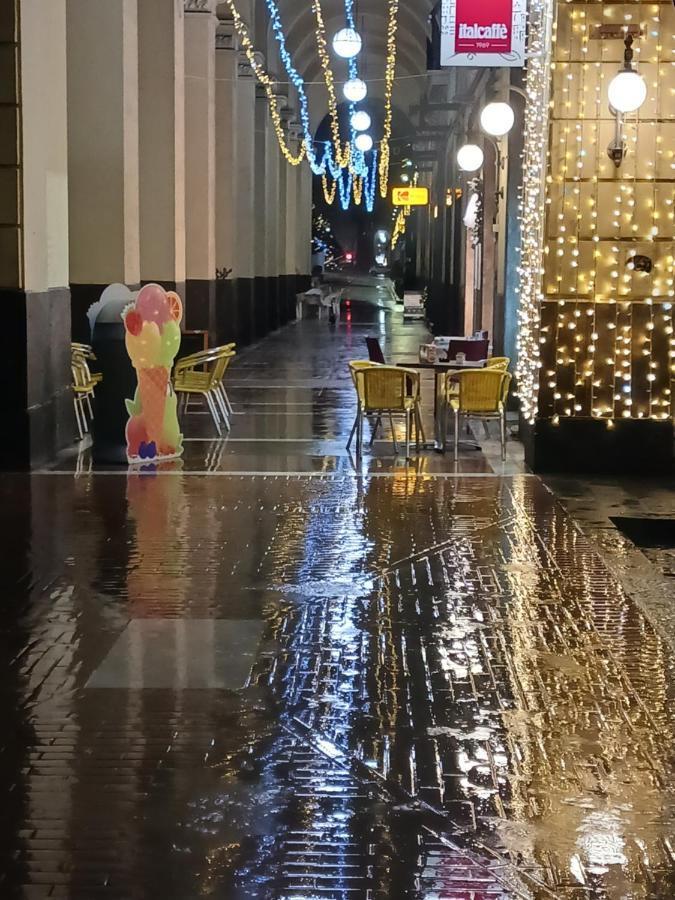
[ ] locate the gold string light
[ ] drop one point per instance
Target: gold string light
(342, 152)
(389, 75)
(328, 192)
(293, 158)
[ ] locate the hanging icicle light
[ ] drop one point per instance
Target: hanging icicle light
(347, 43)
(360, 121)
(364, 143)
(355, 90)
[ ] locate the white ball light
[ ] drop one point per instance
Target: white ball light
(360, 121)
(627, 92)
(347, 43)
(364, 143)
(355, 90)
(497, 119)
(470, 158)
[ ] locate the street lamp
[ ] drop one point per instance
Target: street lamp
(347, 43)
(470, 158)
(355, 90)
(496, 119)
(360, 121)
(627, 92)
(363, 142)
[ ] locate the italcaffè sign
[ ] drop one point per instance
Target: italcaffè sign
(486, 33)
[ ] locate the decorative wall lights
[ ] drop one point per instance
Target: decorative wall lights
(470, 158)
(496, 119)
(627, 92)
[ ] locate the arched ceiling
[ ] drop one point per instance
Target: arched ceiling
(299, 23)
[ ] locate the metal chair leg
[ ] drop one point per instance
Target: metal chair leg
(227, 400)
(359, 435)
(457, 427)
(77, 418)
(214, 413)
(420, 426)
(353, 431)
(486, 429)
(393, 432)
(408, 428)
(502, 429)
(221, 405)
(375, 427)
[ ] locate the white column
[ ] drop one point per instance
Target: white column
(244, 259)
(102, 45)
(260, 252)
(200, 161)
(291, 213)
(304, 220)
(273, 221)
(227, 65)
(161, 69)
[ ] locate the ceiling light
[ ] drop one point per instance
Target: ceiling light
(360, 121)
(355, 90)
(497, 119)
(470, 158)
(347, 43)
(364, 143)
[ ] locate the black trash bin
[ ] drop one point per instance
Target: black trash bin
(117, 386)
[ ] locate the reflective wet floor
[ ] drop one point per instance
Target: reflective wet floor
(280, 672)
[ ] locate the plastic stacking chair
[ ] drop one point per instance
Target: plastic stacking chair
(498, 362)
(84, 385)
(201, 375)
(482, 395)
(390, 391)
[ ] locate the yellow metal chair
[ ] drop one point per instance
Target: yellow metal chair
(498, 362)
(356, 365)
(482, 395)
(201, 375)
(84, 384)
(388, 390)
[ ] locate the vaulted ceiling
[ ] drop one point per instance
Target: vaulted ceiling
(299, 24)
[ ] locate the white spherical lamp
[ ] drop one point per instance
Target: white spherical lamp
(355, 90)
(360, 121)
(497, 119)
(364, 143)
(470, 158)
(347, 43)
(627, 92)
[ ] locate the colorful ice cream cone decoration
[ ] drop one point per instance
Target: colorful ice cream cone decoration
(152, 326)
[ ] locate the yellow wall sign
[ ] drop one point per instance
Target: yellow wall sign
(410, 196)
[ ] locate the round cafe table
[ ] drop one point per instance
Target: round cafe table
(440, 369)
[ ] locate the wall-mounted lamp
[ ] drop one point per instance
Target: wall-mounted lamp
(496, 119)
(627, 92)
(470, 158)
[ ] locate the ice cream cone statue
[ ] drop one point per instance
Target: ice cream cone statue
(152, 326)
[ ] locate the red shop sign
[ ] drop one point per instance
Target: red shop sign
(483, 27)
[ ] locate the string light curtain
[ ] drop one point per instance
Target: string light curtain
(596, 320)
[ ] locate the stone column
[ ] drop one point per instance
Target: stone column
(35, 336)
(161, 71)
(273, 222)
(102, 49)
(261, 253)
(200, 164)
(283, 282)
(226, 184)
(244, 202)
(304, 221)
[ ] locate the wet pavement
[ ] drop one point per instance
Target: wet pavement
(278, 672)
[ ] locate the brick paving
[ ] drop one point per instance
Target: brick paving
(453, 698)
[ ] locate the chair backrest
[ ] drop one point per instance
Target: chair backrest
(498, 362)
(473, 350)
(386, 387)
(356, 365)
(482, 390)
(375, 353)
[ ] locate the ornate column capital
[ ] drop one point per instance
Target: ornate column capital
(226, 35)
(200, 6)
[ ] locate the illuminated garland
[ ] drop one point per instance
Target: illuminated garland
(390, 72)
(532, 215)
(293, 158)
(328, 193)
(342, 153)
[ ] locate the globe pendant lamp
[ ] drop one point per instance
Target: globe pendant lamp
(364, 143)
(627, 90)
(360, 121)
(470, 158)
(497, 119)
(347, 43)
(355, 90)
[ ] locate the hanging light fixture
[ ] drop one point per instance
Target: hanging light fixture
(496, 119)
(360, 121)
(470, 158)
(627, 90)
(347, 43)
(355, 90)
(363, 142)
